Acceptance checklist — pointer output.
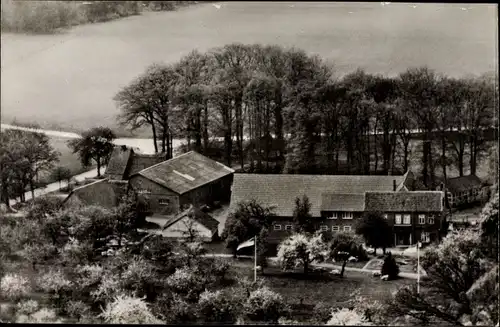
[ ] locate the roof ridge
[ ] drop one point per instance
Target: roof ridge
(83, 186)
(325, 175)
(145, 169)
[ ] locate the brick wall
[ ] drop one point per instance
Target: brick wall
(159, 199)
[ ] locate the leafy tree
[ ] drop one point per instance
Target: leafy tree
(390, 267)
(60, 174)
(489, 227)
(453, 267)
(342, 247)
(264, 305)
(246, 222)
(95, 144)
(302, 215)
(128, 310)
(301, 250)
(347, 317)
(23, 156)
(375, 230)
(217, 307)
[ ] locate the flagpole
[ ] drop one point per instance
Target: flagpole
(255, 261)
(418, 267)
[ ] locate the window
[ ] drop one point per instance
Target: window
(277, 227)
(431, 220)
(324, 228)
(385, 216)
(143, 191)
(421, 219)
(425, 237)
(347, 228)
(346, 215)
(406, 219)
(335, 228)
(164, 202)
(398, 219)
(288, 227)
(333, 216)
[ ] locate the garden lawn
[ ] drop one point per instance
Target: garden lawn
(302, 292)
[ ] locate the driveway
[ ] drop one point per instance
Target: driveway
(53, 187)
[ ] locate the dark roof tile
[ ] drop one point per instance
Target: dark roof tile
(463, 183)
(186, 172)
(417, 201)
(280, 190)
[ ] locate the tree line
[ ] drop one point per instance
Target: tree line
(275, 106)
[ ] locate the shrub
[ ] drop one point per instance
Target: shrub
(187, 283)
(321, 313)
(390, 267)
(216, 307)
(43, 315)
(53, 282)
(346, 317)
(264, 305)
(128, 310)
(27, 307)
(14, 286)
(77, 309)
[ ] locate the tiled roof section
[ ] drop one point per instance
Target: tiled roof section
(102, 192)
(199, 216)
(281, 190)
(464, 183)
(416, 201)
(142, 161)
(118, 162)
(342, 202)
(192, 170)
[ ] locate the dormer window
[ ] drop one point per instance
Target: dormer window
(346, 215)
(333, 215)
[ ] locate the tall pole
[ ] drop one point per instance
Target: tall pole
(255, 261)
(418, 267)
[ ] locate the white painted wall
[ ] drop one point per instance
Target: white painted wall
(178, 229)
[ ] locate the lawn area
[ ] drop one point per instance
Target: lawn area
(309, 290)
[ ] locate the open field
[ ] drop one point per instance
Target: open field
(69, 79)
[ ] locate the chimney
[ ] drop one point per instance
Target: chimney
(394, 185)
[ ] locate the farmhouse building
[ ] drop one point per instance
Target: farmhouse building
(192, 222)
(338, 202)
(191, 178)
(464, 190)
(125, 161)
(104, 192)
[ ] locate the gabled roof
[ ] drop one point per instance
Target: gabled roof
(415, 201)
(280, 190)
(126, 161)
(197, 215)
(118, 162)
(463, 183)
(103, 192)
(186, 172)
(342, 202)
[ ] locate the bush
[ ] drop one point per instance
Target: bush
(390, 267)
(321, 313)
(14, 286)
(53, 282)
(43, 315)
(179, 311)
(215, 307)
(346, 317)
(77, 309)
(128, 310)
(27, 307)
(187, 283)
(264, 305)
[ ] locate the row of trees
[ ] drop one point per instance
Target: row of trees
(23, 157)
(257, 93)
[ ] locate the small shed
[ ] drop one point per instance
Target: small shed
(192, 221)
(104, 193)
(464, 190)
